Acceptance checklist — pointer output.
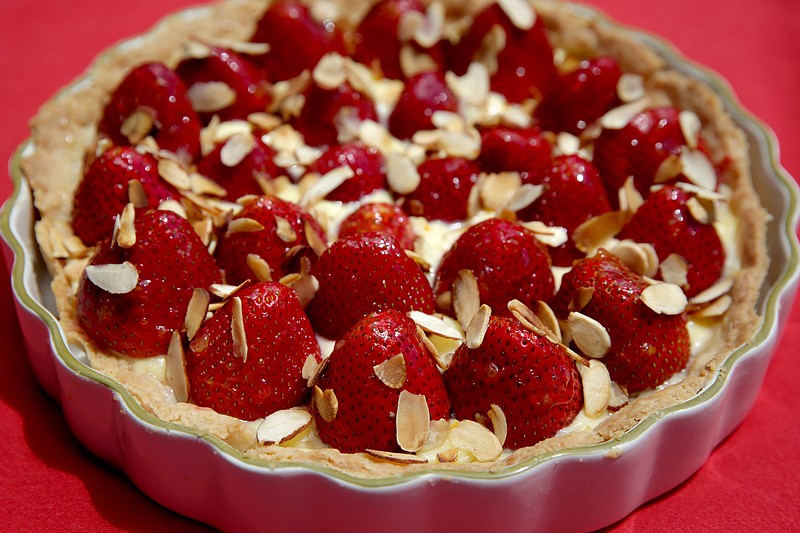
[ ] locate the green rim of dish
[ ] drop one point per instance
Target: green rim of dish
(771, 304)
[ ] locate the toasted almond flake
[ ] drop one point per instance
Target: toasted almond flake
(419, 260)
(326, 184)
(236, 148)
(630, 199)
(237, 330)
(401, 173)
(204, 229)
(598, 230)
(74, 246)
(448, 120)
(196, 311)
(567, 143)
(698, 169)
(138, 125)
(200, 184)
(136, 194)
(721, 287)
(492, 44)
(690, 127)
(553, 236)
(175, 367)
(476, 440)
(466, 297)
(548, 319)
(313, 239)
(309, 368)
(242, 47)
(520, 12)
(392, 372)
(527, 317)
(326, 403)
(716, 308)
(284, 230)
(396, 457)
(471, 88)
(259, 267)
(476, 330)
(581, 298)
(669, 168)
(408, 24)
(630, 87)
(282, 426)
(589, 335)
(596, 388)
(210, 96)
(225, 291)
(652, 258)
(173, 206)
(664, 298)
(413, 420)
(316, 372)
(674, 269)
(126, 236)
(701, 192)
(306, 288)
(290, 279)
(243, 225)
(114, 278)
(497, 190)
(619, 117)
(698, 211)
(632, 254)
(329, 72)
(499, 422)
(429, 33)
(264, 121)
(413, 62)
(174, 174)
(435, 325)
(448, 456)
(524, 196)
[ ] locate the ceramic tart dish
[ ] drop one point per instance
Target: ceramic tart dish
(470, 257)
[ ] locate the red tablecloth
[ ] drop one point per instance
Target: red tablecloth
(49, 482)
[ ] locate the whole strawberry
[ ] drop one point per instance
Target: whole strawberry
(367, 165)
(244, 81)
(523, 150)
(377, 359)
(247, 360)
(158, 97)
(322, 111)
(161, 270)
(423, 95)
(103, 191)
(507, 261)
(572, 193)
(444, 188)
(530, 378)
(270, 228)
(382, 218)
(241, 178)
(666, 221)
(296, 41)
(362, 274)
(647, 348)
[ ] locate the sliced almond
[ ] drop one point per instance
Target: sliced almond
(435, 325)
(175, 368)
(664, 298)
(520, 12)
(200, 184)
(306, 288)
(675, 269)
(548, 319)
(259, 267)
(581, 298)
(499, 423)
(284, 230)
(196, 311)
(630, 199)
(596, 388)
(619, 117)
(466, 297)
(476, 330)
(716, 308)
(173, 206)
(630, 87)
(138, 125)
(553, 236)
(114, 278)
(401, 173)
(497, 190)
(243, 225)
(589, 335)
(669, 168)
(412, 421)
(471, 88)
(330, 72)
(236, 148)
(722, 286)
(174, 174)
(524, 196)
(567, 143)
(226, 291)
(429, 33)
(126, 237)
(397, 457)
(313, 239)
(210, 96)
(136, 194)
(237, 330)
(690, 127)
(598, 230)
(419, 260)
(476, 440)
(633, 255)
(326, 184)
(698, 211)
(698, 169)
(392, 372)
(326, 403)
(316, 372)
(282, 426)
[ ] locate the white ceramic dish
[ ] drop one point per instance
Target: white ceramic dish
(204, 478)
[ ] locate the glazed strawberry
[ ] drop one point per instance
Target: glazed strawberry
(270, 228)
(251, 372)
(382, 218)
(363, 274)
(296, 40)
(168, 261)
(508, 263)
(243, 80)
(367, 165)
(159, 97)
(581, 96)
(325, 108)
(647, 348)
(530, 378)
(241, 178)
(525, 66)
(506, 149)
(638, 149)
(378, 39)
(443, 190)
(572, 193)
(666, 221)
(367, 404)
(103, 191)
(423, 95)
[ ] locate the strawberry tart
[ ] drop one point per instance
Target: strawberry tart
(397, 235)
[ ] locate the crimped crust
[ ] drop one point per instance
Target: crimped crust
(64, 133)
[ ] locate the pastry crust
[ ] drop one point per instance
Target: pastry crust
(64, 135)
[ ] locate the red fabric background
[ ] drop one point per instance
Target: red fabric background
(48, 482)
